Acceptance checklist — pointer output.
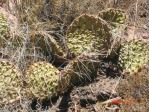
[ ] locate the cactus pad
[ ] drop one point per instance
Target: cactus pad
(80, 69)
(42, 80)
(116, 18)
(133, 55)
(9, 34)
(3, 28)
(10, 82)
(3, 24)
(88, 34)
(49, 45)
(113, 16)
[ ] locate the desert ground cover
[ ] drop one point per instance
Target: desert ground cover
(74, 55)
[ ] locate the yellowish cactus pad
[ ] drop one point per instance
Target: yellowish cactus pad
(3, 25)
(113, 15)
(49, 45)
(42, 80)
(88, 34)
(134, 54)
(3, 29)
(117, 19)
(10, 83)
(81, 69)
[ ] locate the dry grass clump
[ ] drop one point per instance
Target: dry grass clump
(22, 106)
(54, 13)
(20, 50)
(138, 13)
(64, 11)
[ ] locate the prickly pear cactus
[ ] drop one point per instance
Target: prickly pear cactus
(88, 34)
(3, 28)
(42, 80)
(10, 83)
(133, 55)
(117, 20)
(8, 35)
(113, 15)
(80, 69)
(48, 44)
(3, 25)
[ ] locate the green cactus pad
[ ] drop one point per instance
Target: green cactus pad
(88, 34)
(133, 55)
(3, 25)
(9, 36)
(116, 18)
(112, 15)
(42, 80)
(3, 29)
(81, 69)
(49, 45)
(10, 83)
